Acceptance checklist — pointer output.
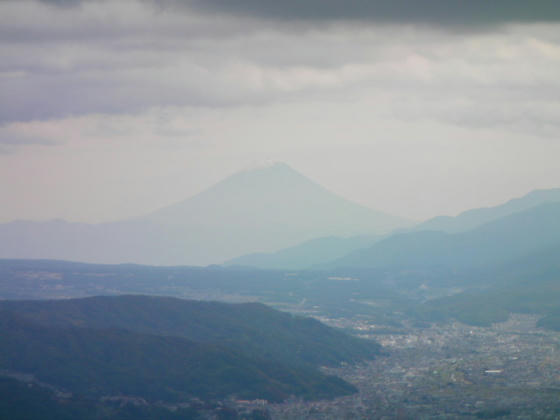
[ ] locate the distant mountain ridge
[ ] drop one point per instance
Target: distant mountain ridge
(473, 218)
(305, 255)
(259, 210)
(497, 241)
(276, 194)
(321, 251)
(530, 284)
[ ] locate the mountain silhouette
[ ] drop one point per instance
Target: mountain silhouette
(498, 241)
(259, 210)
(473, 218)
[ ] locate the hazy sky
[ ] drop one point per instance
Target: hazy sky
(110, 109)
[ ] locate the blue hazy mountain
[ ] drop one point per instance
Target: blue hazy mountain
(259, 210)
(322, 250)
(530, 284)
(498, 241)
(307, 254)
(471, 219)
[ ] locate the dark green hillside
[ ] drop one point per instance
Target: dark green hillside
(551, 321)
(22, 401)
(252, 328)
(95, 362)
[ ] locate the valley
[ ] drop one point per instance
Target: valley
(428, 368)
(508, 371)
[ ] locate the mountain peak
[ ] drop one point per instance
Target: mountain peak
(263, 209)
(268, 179)
(268, 171)
(267, 165)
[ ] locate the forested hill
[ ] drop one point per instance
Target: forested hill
(100, 362)
(170, 349)
(252, 328)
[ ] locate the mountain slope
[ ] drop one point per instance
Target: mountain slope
(261, 210)
(251, 328)
(268, 209)
(305, 255)
(527, 285)
(27, 400)
(471, 219)
(101, 362)
(504, 239)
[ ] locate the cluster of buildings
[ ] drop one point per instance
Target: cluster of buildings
(508, 370)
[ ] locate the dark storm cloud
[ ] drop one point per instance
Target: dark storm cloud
(40, 97)
(470, 12)
(394, 11)
(69, 58)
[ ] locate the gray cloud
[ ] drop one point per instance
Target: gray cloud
(127, 57)
(11, 140)
(21, 139)
(422, 102)
(445, 12)
(477, 12)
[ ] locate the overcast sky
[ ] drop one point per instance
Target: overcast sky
(110, 109)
